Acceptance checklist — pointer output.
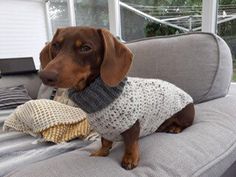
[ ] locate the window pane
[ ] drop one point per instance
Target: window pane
(227, 26)
(178, 16)
(92, 13)
(58, 14)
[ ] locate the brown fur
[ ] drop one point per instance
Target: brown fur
(78, 55)
(131, 156)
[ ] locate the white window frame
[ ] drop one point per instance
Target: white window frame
(114, 17)
(48, 22)
(209, 15)
(71, 10)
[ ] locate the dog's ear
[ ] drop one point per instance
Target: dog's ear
(45, 56)
(117, 59)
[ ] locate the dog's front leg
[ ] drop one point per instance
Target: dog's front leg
(105, 149)
(131, 156)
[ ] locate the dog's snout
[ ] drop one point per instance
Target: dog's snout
(49, 77)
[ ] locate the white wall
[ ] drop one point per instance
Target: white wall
(22, 28)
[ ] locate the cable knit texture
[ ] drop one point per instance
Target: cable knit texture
(151, 101)
(97, 96)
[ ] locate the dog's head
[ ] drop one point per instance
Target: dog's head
(77, 55)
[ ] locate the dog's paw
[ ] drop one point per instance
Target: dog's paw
(174, 129)
(100, 152)
(129, 162)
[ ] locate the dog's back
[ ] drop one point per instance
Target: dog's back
(151, 101)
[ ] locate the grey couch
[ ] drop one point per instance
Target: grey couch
(199, 63)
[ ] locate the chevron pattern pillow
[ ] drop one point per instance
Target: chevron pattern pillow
(11, 97)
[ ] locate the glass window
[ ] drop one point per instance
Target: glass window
(58, 14)
(92, 13)
(177, 17)
(227, 26)
(87, 13)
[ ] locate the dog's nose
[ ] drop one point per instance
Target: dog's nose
(49, 77)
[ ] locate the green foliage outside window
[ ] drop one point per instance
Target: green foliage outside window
(156, 29)
(134, 27)
(227, 30)
(159, 9)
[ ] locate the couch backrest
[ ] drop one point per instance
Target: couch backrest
(199, 63)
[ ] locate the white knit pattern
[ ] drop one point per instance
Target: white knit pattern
(38, 115)
(151, 101)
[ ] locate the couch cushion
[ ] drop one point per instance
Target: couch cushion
(199, 63)
(207, 148)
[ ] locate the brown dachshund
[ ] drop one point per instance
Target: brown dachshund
(76, 56)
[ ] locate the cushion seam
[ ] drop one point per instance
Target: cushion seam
(213, 162)
(170, 36)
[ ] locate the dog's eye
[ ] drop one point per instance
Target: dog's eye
(84, 48)
(56, 46)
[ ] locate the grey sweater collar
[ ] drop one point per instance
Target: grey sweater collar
(96, 96)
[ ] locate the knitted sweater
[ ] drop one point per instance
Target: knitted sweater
(151, 101)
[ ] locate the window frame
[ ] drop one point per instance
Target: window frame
(209, 16)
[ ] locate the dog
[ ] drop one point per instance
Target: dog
(93, 64)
